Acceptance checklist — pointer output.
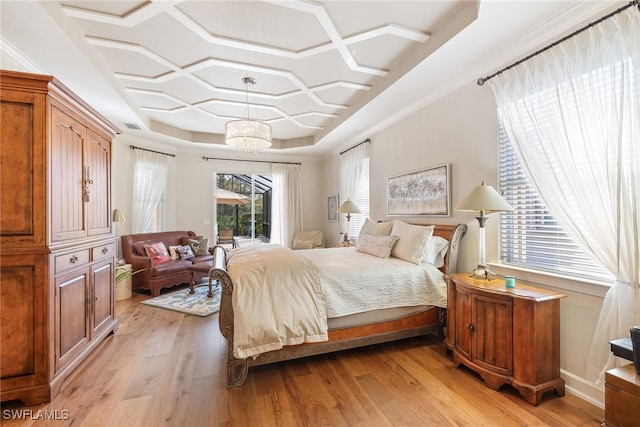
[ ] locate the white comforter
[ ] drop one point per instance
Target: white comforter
(355, 282)
(284, 307)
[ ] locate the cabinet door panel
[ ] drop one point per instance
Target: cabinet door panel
(17, 296)
(103, 288)
(464, 326)
(67, 177)
(493, 334)
(72, 329)
(98, 164)
(22, 155)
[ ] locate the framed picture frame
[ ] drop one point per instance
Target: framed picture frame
(332, 208)
(421, 193)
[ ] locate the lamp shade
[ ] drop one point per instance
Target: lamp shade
(248, 135)
(117, 216)
(484, 198)
(348, 207)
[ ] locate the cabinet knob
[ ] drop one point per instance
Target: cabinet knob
(104, 251)
(73, 259)
(471, 327)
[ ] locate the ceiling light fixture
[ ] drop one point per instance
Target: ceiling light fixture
(248, 135)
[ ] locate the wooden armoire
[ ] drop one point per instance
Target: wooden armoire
(57, 248)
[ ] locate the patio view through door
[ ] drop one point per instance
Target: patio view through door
(243, 209)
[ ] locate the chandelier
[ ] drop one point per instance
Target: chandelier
(248, 135)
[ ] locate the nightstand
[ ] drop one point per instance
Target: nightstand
(507, 335)
(622, 397)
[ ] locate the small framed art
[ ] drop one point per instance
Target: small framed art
(332, 208)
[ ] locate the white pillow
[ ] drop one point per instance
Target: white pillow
(412, 241)
(379, 246)
(375, 228)
(302, 244)
(437, 248)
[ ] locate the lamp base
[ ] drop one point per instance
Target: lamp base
(482, 272)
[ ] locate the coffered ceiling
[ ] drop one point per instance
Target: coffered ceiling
(326, 71)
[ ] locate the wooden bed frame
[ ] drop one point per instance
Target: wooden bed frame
(429, 321)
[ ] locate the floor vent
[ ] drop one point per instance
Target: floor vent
(132, 126)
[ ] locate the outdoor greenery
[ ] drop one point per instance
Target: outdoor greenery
(238, 217)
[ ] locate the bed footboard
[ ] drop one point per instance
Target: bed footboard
(237, 369)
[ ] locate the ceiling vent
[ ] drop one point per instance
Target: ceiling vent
(132, 126)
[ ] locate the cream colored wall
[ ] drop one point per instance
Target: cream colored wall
(189, 195)
(461, 130)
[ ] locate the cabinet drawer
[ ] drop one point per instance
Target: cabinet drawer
(103, 251)
(71, 260)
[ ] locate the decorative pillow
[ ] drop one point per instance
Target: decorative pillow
(412, 241)
(437, 248)
(172, 252)
(199, 247)
(157, 252)
(302, 244)
(184, 240)
(379, 246)
(185, 252)
(375, 228)
(138, 247)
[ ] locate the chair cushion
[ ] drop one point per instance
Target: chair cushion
(302, 244)
(317, 237)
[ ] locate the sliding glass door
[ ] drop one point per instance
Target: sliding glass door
(243, 208)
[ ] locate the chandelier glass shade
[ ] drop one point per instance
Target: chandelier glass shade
(246, 134)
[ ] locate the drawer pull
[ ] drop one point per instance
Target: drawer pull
(105, 250)
(471, 327)
(73, 259)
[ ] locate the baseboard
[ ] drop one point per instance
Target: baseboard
(584, 389)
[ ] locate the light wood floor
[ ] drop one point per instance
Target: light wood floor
(164, 368)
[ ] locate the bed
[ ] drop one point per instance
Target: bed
(373, 324)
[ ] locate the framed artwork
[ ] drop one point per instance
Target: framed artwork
(426, 192)
(332, 208)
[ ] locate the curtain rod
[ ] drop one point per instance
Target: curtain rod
(133, 147)
(357, 145)
(253, 161)
(483, 80)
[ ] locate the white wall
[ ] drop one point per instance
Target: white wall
(461, 130)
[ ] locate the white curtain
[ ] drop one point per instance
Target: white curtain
(573, 115)
(286, 208)
(149, 181)
(350, 172)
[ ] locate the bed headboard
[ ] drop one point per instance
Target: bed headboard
(453, 233)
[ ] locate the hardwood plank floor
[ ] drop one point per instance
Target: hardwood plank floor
(164, 368)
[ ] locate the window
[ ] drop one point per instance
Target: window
(529, 236)
(361, 200)
(143, 179)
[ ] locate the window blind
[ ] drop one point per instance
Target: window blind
(529, 236)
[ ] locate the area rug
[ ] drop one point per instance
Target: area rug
(197, 304)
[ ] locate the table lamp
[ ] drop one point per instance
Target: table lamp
(118, 217)
(484, 199)
(348, 208)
